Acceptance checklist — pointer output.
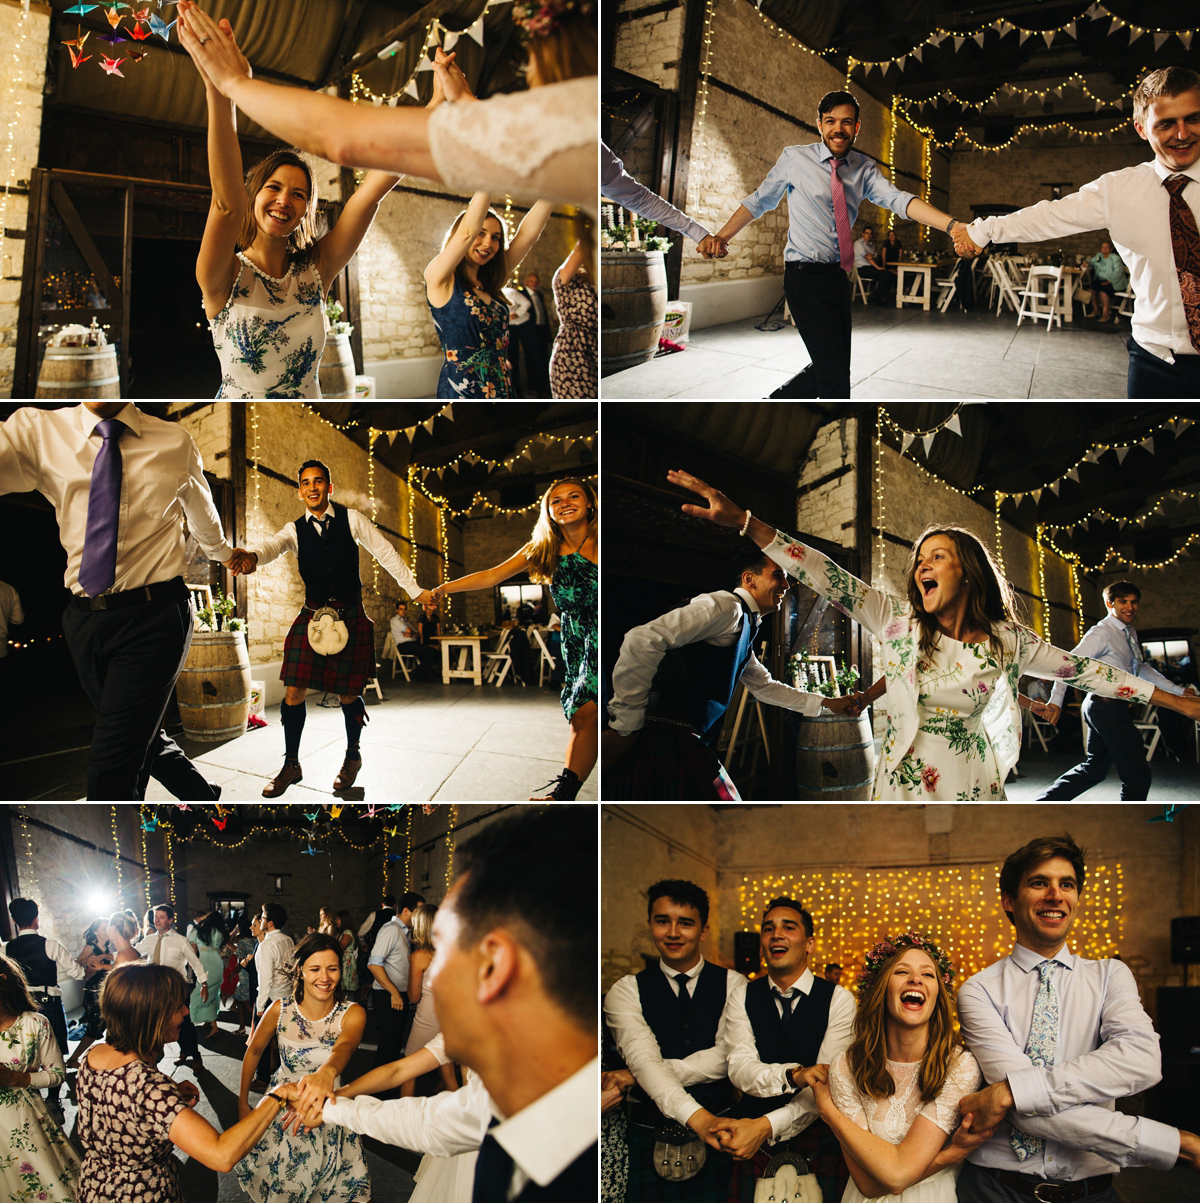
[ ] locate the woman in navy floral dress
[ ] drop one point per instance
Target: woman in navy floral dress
(564, 554)
(462, 285)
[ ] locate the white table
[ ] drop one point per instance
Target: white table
(465, 644)
(921, 288)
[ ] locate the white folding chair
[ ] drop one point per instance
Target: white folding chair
(403, 660)
(857, 283)
(1040, 297)
(1150, 731)
(1038, 726)
(1002, 285)
(498, 662)
(1125, 309)
(546, 662)
(945, 293)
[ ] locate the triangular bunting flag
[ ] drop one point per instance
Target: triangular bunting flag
(1070, 28)
(917, 53)
(395, 100)
(410, 432)
(1122, 452)
(448, 412)
(1186, 39)
(1184, 423)
(1148, 443)
(952, 424)
(1022, 35)
(1055, 487)
(958, 41)
(449, 41)
(1036, 494)
(1159, 39)
(377, 101)
(978, 37)
(475, 32)
(1048, 36)
(428, 423)
(410, 89)
(424, 64)
(927, 439)
(906, 442)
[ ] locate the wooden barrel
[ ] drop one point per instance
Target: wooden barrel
(635, 303)
(213, 691)
(835, 759)
(79, 372)
(336, 373)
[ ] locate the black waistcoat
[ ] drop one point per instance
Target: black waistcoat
(328, 564)
(29, 951)
(797, 1042)
(660, 1009)
(575, 1184)
(696, 682)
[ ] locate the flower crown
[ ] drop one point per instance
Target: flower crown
(540, 18)
(874, 961)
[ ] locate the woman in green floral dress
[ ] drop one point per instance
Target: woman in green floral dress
(564, 554)
(953, 653)
(37, 1161)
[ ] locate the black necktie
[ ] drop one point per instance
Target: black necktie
(493, 1171)
(787, 1000)
(685, 999)
(322, 525)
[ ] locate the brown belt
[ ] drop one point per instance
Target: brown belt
(1050, 1192)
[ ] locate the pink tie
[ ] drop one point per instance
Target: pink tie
(841, 216)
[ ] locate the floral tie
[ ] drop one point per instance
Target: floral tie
(1185, 243)
(1043, 1038)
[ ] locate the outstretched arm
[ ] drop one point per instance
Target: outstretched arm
(528, 232)
(489, 578)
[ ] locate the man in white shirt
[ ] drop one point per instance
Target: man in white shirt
(1150, 212)
(273, 960)
(1112, 737)
(404, 636)
(325, 542)
(11, 614)
(388, 965)
(165, 946)
(663, 1020)
(514, 991)
(1059, 1038)
(122, 483)
(676, 677)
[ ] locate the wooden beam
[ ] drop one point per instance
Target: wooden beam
(397, 33)
(83, 240)
(690, 56)
(127, 286)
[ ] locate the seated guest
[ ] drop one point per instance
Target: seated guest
(130, 1113)
(869, 268)
(428, 623)
(1109, 276)
(405, 637)
(890, 253)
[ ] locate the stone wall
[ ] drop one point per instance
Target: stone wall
(209, 426)
(487, 542)
(24, 38)
(650, 45)
(826, 506)
(1017, 176)
(1170, 596)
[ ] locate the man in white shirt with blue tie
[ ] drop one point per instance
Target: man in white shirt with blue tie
(1112, 737)
(1059, 1038)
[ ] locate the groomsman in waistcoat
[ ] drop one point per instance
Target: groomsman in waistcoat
(325, 542)
(664, 1021)
(41, 959)
(775, 1028)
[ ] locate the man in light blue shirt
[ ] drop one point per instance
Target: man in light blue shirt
(388, 965)
(820, 247)
(1112, 737)
(1060, 1039)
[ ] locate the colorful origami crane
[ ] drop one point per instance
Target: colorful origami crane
(309, 851)
(111, 38)
(113, 15)
(336, 811)
(183, 806)
(81, 10)
(140, 32)
(369, 811)
(150, 824)
(137, 53)
(160, 27)
(77, 59)
(141, 14)
(396, 806)
(78, 40)
(312, 816)
(219, 823)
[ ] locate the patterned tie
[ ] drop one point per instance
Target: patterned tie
(1185, 243)
(98, 568)
(1135, 652)
(1043, 1038)
(841, 216)
(493, 1171)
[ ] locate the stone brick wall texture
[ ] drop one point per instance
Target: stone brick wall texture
(25, 37)
(828, 510)
(650, 45)
(487, 542)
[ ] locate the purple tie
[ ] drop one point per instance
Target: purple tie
(98, 569)
(841, 216)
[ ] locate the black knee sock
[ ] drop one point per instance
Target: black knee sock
(293, 726)
(355, 714)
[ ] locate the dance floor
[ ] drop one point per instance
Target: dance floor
(897, 353)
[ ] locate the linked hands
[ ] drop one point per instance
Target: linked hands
(741, 1138)
(242, 562)
(713, 247)
(212, 46)
(964, 246)
(614, 1085)
(1046, 711)
(449, 74)
(984, 1109)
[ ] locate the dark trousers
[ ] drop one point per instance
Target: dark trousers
(977, 1185)
(393, 1027)
(885, 285)
(534, 341)
(1112, 739)
(1154, 378)
(189, 1046)
(128, 661)
(429, 659)
(818, 297)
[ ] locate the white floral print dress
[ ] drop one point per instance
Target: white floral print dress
(37, 1161)
(953, 722)
(271, 333)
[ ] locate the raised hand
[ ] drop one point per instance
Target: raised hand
(719, 508)
(964, 246)
(212, 46)
(429, 595)
(453, 81)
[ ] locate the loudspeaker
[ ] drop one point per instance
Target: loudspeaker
(1185, 940)
(1178, 1030)
(747, 953)
(1176, 1099)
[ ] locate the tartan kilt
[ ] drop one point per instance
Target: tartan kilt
(346, 673)
(710, 1185)
(669, 764)
(816, 1144)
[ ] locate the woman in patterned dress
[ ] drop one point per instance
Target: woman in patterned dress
(343, 932)
(318, 1030)
(37, 1161)
(462, 286)
(262, 270)
(573, 360)
(95, 944)
(563, 553)
(953, 654)
(892, 1097)
(132, 1116)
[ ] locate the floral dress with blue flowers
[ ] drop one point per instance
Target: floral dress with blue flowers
(271, 333)
(474, 338)
(325, 1165)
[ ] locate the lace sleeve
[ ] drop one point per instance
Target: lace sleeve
(963, 1078)
(541, 143)
(845, 1094)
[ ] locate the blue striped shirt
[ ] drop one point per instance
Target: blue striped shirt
(805, 170)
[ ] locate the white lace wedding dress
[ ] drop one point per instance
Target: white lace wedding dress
(891, 1118)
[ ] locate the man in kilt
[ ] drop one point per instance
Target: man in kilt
(673, 1010)
(325, 541)
(676, 677)
(775, 1029)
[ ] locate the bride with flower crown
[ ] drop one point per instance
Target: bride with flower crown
(892, 1098)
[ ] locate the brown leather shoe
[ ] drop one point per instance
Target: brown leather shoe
(288, 775)
(345, 779)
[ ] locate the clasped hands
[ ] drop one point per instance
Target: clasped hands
(242, 561)
(965, 246)
(713, 247)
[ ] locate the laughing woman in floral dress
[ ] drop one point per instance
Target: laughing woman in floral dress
(462, 285)
(37, 1161)
(953, 653)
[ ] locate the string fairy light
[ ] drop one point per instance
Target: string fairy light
(408, 834)
(1041, 567)
(171, 866)
(371, 432)
(360, 93)
(117, 849)
(450, 846)
(145, 859)
(880, 573)
(21, 60)
(29, 878)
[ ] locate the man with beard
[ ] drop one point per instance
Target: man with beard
(825, 183)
